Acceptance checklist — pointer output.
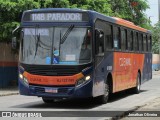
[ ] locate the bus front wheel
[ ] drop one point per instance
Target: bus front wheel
(103, 99)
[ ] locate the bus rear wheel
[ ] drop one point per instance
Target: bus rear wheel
(136, 89)
(103, 99)
(45, 100)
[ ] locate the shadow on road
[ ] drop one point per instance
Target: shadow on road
(120, 95)
(64, 104)
(74, 104)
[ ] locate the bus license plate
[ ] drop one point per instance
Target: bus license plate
(51, 90)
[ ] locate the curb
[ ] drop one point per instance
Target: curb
(8, 94)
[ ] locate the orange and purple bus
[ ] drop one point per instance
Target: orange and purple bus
(73, 53)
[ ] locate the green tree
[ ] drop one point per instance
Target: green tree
(10, 15)
(156, 38)
(102, 6)
(132, 10)
(138, 12)
(11, 11)
(56, 4)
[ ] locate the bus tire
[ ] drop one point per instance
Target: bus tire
(45, 100)
(136, 89)
(103, 99)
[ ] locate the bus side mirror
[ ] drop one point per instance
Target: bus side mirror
(14, 42)
(14, 39)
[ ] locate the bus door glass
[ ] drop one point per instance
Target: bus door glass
(99, 58)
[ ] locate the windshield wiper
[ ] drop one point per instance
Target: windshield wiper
(38, 39)
(64, 37)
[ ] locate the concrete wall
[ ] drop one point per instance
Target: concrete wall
(155, 62)
(8, 66)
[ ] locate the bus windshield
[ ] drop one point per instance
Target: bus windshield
(56, 45)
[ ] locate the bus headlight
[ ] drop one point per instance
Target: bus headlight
(82, 80)
(20, 76)
(25, 81)
(87, 78)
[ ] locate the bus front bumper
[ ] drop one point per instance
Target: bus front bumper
(82, 91)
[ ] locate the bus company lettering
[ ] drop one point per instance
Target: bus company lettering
(58, 80)
(124, 61)
(37, 79)
(56, 17)
(65, 80)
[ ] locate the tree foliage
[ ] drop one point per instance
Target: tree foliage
(156, 38)
(102, 6)
(10, 15)
(11, 11)
(132, 10)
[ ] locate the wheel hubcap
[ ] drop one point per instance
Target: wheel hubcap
(138, 84)
(106, 92)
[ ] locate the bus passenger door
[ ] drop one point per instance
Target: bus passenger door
(98, 88)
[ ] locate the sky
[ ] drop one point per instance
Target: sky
(153, 11)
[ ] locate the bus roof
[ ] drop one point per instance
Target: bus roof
(95, 15)
(129, 24)
(58, 9)
(119, 21)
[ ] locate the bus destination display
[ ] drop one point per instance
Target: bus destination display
(56, 17)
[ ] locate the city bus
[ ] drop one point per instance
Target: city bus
(73, 53)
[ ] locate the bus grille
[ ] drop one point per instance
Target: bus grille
(52, 71)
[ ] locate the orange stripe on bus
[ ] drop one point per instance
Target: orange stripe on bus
(52, 80)
(129, 24)
(125, 69)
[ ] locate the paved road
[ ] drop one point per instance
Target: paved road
(119, 102)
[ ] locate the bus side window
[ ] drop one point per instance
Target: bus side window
(117, 38)
(149, 43)
(99, 41)
(144, 43)
(100, 31)
(124, 39)
(140, 39)
(108, 37)
(131, 41)
(136, 42)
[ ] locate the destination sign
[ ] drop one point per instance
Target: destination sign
(55, 17)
